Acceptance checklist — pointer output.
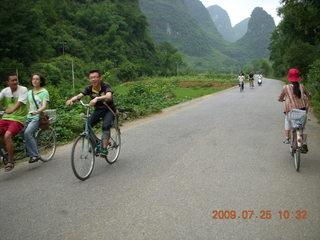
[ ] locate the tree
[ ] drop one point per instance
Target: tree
(170, 59)
(296, 40)
(265, 67)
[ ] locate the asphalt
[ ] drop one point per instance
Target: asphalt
(177, 171)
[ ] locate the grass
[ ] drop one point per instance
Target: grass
(189, 93)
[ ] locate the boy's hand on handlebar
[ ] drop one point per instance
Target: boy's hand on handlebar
(93, 102)
(69, 102)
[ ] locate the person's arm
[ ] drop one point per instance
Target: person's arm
(308, 95)
(75, 98)
(44, 106)
(106, 97)
(15, 108)
(282, 95)
(44, 101)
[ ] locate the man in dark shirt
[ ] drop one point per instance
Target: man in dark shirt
(101, 98)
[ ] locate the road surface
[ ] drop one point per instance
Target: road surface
(176, 170)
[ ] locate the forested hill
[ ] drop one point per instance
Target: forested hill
(197, 10)
(221, 19)
(49, 35)
(187, 25)
(256, 41)
(241, 28)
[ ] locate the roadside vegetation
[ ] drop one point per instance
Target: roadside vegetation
(295, 44)
(138, 98)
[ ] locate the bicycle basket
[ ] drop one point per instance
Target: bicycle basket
(52, 115)
(297, 117)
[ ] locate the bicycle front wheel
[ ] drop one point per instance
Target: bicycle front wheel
(82, 157)
(114, 145)
(296, 158)
(46, 141)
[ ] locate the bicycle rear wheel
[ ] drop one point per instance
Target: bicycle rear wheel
(82, 157)
(46, 141)
(114, 145)
(296, 158)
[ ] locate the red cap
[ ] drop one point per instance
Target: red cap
(294, 75)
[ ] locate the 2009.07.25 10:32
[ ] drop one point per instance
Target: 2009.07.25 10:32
(262, 214)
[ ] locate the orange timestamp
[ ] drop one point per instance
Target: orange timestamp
(260, 214)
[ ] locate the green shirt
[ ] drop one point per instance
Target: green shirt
(9, 99)
(41, 96)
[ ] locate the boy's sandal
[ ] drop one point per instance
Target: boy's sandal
(9, 166)
(34, 159)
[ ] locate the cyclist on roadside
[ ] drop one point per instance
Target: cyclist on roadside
(101, 98)
(251, 79)
(38, 98)
(296, 97)
(14, 99)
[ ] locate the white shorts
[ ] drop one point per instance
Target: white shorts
(287, 125)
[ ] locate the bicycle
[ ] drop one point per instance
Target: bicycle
(251, 80)
(87, 146)
(46, 142)
(297, 118)
(241, 85)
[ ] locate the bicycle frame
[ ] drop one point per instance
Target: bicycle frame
(19, 152)
(296, 146)
(88, 131)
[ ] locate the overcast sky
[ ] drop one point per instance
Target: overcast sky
(241, 9)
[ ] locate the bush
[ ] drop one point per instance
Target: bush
(313, 83)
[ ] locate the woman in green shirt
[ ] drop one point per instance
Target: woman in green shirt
(38, 98)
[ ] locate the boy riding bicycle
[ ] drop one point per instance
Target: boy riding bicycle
(101, 98)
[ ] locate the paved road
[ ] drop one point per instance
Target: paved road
(221, 152)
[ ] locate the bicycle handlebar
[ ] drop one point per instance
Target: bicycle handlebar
(83, 104)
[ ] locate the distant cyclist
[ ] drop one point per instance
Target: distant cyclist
(104, 108)
(251, 79)
(296, 97)
(241, 79)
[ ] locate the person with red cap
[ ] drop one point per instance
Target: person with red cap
(295, 96)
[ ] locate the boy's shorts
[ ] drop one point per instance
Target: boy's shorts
(12, 126)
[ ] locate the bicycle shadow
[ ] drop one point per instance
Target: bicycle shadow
(21, 170)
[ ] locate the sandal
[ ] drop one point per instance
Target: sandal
(9, 166)
(34, 159)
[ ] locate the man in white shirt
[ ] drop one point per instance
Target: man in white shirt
(14, 99)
